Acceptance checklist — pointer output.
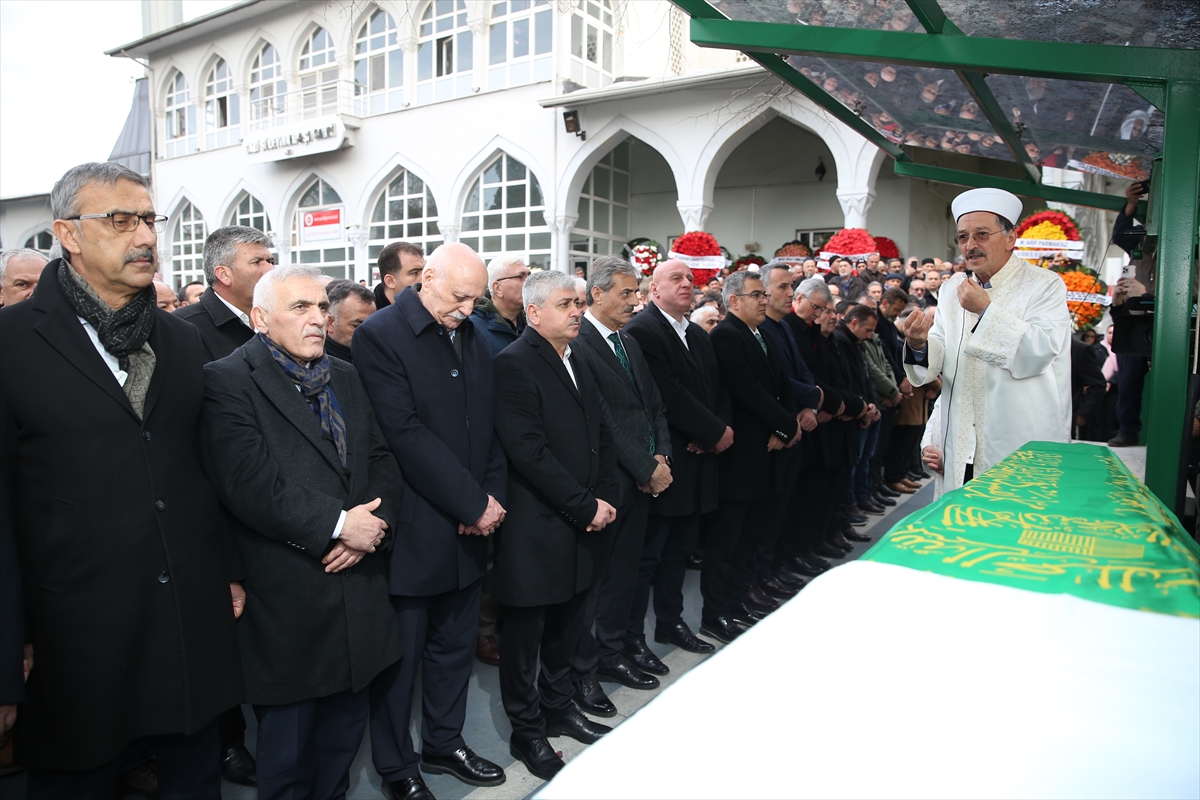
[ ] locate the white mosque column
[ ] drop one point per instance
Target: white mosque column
(358, 240)
(694, 215)
(449, 231)
(560, 227)
(856, 203)
(282, 243)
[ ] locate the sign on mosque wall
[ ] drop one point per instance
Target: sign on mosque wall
(296, 140)
(320, 226)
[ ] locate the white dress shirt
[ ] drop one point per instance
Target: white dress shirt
(109, 359)
(245, 318)
(567, 364)
(679, 327)
(604, 330)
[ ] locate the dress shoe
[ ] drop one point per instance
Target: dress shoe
(883, 491)
(857, 517)
(624, 672)
(466, 766)
(682, 637)
(914, 485)
(882, 500)
(823, 548)
(577, 726)
(838, 540)
(592, 699)
(855, 536)
(723, 629)
(902, 488)
(413, 788)
(1123, 439)
(695, 561)
(644, 658)
(487, 650)
(870, 508)
(808, 564)
(758, 600)
(920, 474)
(745, 616)
(790, 579)
(773, 587)
(537, 755)
(237, 766)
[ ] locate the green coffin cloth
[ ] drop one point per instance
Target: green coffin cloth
(1060, 519)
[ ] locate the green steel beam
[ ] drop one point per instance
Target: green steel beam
(1155, 92)
(1068, 60)
(931, 16)
(1053, 194)
(1167, 429)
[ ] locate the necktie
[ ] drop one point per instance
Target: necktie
(623, 357)
(456, 344)
(761, 343)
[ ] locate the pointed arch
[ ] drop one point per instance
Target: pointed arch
(474, 166)
(254, 44)
(211, 55)
(241, 189)
(29, 233)
(294, 191)
(168, 72)
(335, 26)
(376, 184)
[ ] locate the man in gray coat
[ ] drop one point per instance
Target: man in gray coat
(293, 450)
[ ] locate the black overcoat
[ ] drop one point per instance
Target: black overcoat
(560, 460)
(305, 633)
(124, 552)
(221, 330)
(437, 416)
(697, 406)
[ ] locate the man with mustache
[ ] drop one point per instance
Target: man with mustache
(643, 445)
(121, 543)
(295, 456)
(1000, 340)
(429, 376)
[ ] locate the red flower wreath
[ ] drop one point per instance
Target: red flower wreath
(851, 242)
(696, 243)
(887, 248)
(745, 261)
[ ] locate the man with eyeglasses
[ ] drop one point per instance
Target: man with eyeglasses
(121, 544)
(1000, 340)
(501, 317)
(764, 414)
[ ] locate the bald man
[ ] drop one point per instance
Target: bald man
(20, 271)
(165, 297)
(427, 372)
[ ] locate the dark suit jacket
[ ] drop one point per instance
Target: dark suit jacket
(305, 633)
(560, 460)
(497, 330)
(123, 548)
(633, 409)
(834, 443)
(221, 330)
(438, 417)
(763, 406)
(12, 610)
(1086, 373)
(696, 403)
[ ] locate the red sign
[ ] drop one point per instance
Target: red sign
(321, 226)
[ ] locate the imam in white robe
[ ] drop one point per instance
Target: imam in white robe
(1008, 381)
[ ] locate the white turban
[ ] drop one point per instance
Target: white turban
(997, 201)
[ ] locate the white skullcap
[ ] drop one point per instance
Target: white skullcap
(997, 201)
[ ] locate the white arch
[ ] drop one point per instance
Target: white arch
(336, 30)
(231, 200)
(176, 204)
(291, 198)
(34, 231)
(475, 165)
(257, 41)
(616, 131)
(213, 54)
(346, 43)
(168, 71)
(378, 182)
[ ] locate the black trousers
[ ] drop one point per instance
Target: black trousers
(887, 430)
(1131, 380)
(729, 553)
(232, 726)
(545, 637)
(669, 541)
(189, 768)
(613, 585)
(305, 749)
(837, 483)
(781, 525)
(812, 505)
(899, 451)
(438, 634)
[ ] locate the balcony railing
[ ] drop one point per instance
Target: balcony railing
(305, 103)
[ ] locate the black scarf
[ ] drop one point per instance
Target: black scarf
(122, 332)
(314, 385)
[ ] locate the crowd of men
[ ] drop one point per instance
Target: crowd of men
(312, 498)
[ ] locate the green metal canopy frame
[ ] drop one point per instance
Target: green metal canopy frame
(1168, 78)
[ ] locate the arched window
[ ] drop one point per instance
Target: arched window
(444, 52)
(268, 106)
(41, 241)
(318, 76)
(222, 117)
(187, 247)
(319, 231)
(181, 118)
(249, 212)
(406, 212)
(378, 66)
(505, 213)
(592, 43)
(603, 225)
(520, 42)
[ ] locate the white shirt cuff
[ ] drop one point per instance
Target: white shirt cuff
(337, 530)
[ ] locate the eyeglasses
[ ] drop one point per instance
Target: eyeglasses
(820, 309)
(124, 222)
(522, 277)
(980, 236)
(758, 297)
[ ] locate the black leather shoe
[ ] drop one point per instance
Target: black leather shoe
(695, 561)
(537, 755)
(879, 500)
(789, 579)
(758, 600)
(624, 672)
(919, 475)
(1123, 439)
(723, 629)
(682, 637)
(858, 519)
(466, 766)
(644, 658)
(808, 564)
(866, 506)
(773, 587)
(413, 788)
(883, 491)
(855, 536)
(745, 616)
(839, 540)
(592, 699)
(577, 726)
(827, 550)
(237, 766)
